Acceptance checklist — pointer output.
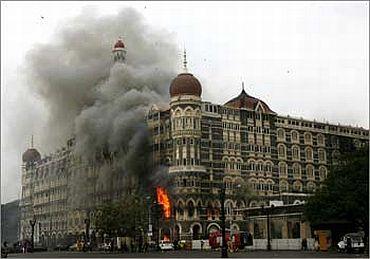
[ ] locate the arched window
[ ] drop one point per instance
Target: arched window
(310, 172)
(282, 169)
(322, 155)
(295, 153)
(283, 186)
(295, 136)
(309, 154)
(296, 170)
(297, 186)
(281, 151)
(322, 173)
(307, 138)
(281, 134)
(311, 187)
(320, 140)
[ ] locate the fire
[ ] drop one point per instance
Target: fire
(163, 199)
(166, 238)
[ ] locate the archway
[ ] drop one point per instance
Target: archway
(213, 227)
(196, 231)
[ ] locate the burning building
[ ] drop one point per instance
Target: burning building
(240, 143)
(202, 146)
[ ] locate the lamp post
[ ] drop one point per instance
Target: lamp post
(223, 225)
(32, 223)
(267, 211)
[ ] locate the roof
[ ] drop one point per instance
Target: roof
(185, 84)
(31, 155)
(119, 44)
(243, 100)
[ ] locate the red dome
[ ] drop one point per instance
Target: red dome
(185, 84)
(119, 44)
(243, 100)
(31, 155)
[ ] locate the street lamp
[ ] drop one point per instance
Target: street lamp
(223, 225)
(32, 223)
(267, 211)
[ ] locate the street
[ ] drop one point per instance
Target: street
(193, 254)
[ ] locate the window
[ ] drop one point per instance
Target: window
(311, 186)
(295, 136)
(307, 138)
(320, 140)
(322, 155)
(310, 172)
(296, 170)
(297, 186)
(282, 169)
(295, 153)
(283, 186)
(281, 134)
(309, 153)
(281, 151)
(322, 173)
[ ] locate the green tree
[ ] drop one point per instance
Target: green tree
(345, 194)
(125, 217)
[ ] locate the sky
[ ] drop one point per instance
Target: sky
(305, 59)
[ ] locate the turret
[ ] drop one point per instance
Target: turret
(119, 51)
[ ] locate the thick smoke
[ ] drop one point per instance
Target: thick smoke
(103, 104)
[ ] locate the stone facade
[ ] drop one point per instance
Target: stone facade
(204, 146)
(207, 145)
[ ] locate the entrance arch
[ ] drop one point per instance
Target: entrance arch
(213, 227)
(196, 230)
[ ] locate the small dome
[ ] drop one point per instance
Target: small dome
(243, 100)
(31, 155)
(185, 84)
(119, 44)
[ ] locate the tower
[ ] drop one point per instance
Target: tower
(119, 51)
(186, 168)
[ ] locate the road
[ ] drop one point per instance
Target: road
(193, 254)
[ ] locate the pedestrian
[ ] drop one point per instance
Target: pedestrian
(201, 244)
(304, 244)
(317, 245)
(349, 245)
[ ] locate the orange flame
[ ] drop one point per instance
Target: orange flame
(166, 238)
(163, 199)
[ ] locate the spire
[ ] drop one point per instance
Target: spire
(185, 62)
(32, 141)
(242, 85)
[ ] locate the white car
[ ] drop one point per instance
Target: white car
(166, 245)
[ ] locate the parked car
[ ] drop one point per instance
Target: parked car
(166, 245)
(104, 247)
(351, 242)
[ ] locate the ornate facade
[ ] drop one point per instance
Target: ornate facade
(207, 146)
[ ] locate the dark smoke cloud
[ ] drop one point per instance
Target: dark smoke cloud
(101, 103)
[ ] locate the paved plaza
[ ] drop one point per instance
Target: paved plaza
(193, 254)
